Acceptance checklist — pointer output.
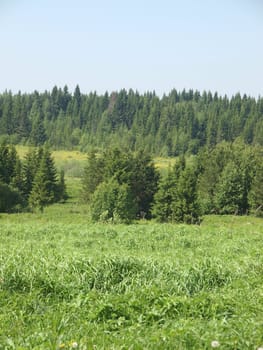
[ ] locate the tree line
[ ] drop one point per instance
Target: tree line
(123, 186)
(33, 183)
(119, 185)
(171, 125)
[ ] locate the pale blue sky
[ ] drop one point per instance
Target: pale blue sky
(104, 45)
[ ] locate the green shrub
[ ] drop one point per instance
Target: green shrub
(10, 199)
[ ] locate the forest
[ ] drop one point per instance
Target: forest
(217, 141)
(128, 254)
(122, 186)
(177, 123)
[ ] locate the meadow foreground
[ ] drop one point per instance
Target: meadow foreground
(66, 283)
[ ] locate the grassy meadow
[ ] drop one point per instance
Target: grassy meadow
(73, 162)
(64, 281)
(67, 283)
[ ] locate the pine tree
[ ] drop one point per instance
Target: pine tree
(40, 195)
(24, 125)
(38, 133)
(164, 197)
(50, 174)
(186, 207)
(8, 160)
(45, 188)
(93, 175)
(143, 182)
(4, 173)
(256, 192)
(29, 170)
(17, 179)
(61, 191)
(6, 121)
(136, 171)
(230, 190)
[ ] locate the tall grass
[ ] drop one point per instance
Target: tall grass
(65, 282)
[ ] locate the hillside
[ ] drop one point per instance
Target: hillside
(164, 126)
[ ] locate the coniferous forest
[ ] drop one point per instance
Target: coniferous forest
(131, 175)
(121, 132)
(143, 276)
(174, 124)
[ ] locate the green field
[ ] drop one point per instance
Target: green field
(73, 162)
(65, 282)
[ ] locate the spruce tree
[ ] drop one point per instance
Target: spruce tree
(230, 190)
(17, 179)
(186, 206)
(136, 171)
(8, 160)
(38, 133)
(143, 181)
(176, 198)
(92, 176)
(61, 191)
(164, 197)
(256, 192)
(4, 154)
(29, 170)
(40, 195)
(45, 187)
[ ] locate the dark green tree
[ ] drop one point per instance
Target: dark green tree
(93, 175)
(256, 192)
(10, 199)
(8, 160)
(169, 125)
(45, 186)
(230, 190)
(17, 178)
(186, 207)
(136, 171)
(40, 195)
(143, 181)
(164, 197)
(61, 190)
(7, 118)
(29, 170)
(38, 134)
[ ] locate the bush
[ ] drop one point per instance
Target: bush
(10, 199)
(113, 202)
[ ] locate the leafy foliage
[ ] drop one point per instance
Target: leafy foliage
(113, 202)
(10, 199)
(117, 176)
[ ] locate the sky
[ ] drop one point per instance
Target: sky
(145, 45)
